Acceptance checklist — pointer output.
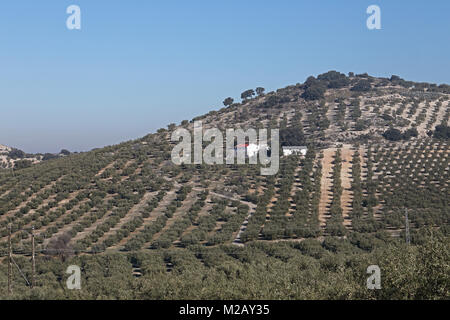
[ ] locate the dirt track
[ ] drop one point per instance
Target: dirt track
(346, 180)
(327, 182)
(325, 185)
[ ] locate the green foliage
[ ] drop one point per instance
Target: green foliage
(49, 156)
(22, 164)
(333, 269)
(334, 79)
(247, 94)
(393, 134)
(228, 101)
(442, 132)
(260, 91)
(416, 273)
(16, 154)
(362, 86)
(314, 92)
(292, 136)
(65, 152)
(128, 207)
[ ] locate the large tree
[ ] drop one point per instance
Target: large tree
(228, 101)
(292, 136)
(21, 164)
(393, 134)
(247, 94)
(442, 132)
(16, 154)
(362, 86)
(314, 92)
(260, 91)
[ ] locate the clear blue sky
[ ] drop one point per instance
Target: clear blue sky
(136, 66)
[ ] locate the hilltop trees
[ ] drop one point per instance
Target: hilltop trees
(228, 102)
(65, 152)
(334, 79)
(247, 94)
(314, 93)
(331, 75)
(314, 89)
(16, 154)
(362, 86)
(274, 101)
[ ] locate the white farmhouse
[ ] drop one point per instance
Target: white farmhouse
(289, 150)
(253, 149)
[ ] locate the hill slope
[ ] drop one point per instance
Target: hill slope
(353, 182)
(11, 157)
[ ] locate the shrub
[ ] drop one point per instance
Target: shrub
(22, 164)
(314, 92)
(442, 132)
(362, 86)
(16, 154)
(393, 134)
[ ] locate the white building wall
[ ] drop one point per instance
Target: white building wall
(288, 152)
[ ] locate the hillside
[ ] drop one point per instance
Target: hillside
(357, 181)
(13, 158)
(10, 157)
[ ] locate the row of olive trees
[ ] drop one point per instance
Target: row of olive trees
(332, 269)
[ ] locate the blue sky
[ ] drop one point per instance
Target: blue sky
(136, 66)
